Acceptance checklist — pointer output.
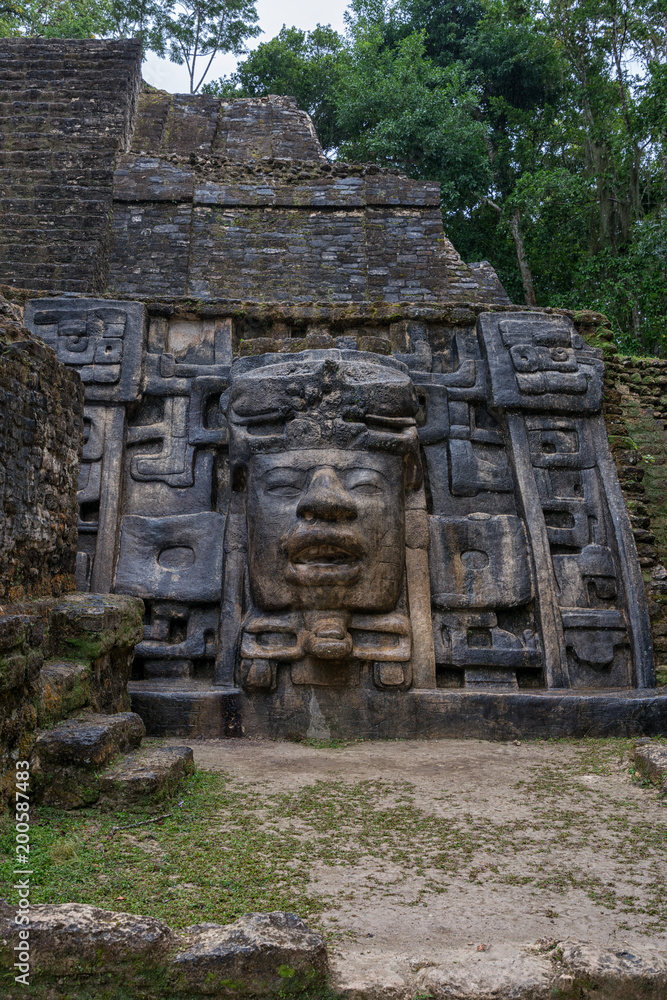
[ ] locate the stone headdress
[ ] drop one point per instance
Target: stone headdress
(322, 399)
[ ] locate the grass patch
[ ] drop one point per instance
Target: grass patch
(232, 848)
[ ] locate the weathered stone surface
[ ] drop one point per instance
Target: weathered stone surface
(74, 938)
(651, 762)
(63, 687)
(60, 655)
(149, 774)
(187, 708)
(67, 759)
(41, 424)
(69, 105)
(563, 969)
(253, 956)
(87, 626)
(226, 196)
(450, 713)
(90, 741)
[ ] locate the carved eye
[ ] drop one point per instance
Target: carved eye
(364, 482)
(365, 489)
(284, 490)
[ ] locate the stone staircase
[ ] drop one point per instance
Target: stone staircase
(99, 759)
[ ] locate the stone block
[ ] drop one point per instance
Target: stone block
(479, 561)
(74, 938)
(89, 742)
(87, 626)
(540, 364)
(63, 687)
(650, 759)
(251, 956)
(149, 774)
(102, 339)
(172, 558)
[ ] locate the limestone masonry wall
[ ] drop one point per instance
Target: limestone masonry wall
(57, 658)
(104, 189)
(229, 198)
(66, 108)
(41, 431)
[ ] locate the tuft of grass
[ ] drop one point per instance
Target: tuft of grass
(63, 851)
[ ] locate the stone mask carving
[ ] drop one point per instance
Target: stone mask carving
(324, 447)
(326, 530)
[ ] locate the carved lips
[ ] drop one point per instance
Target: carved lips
(322, 556)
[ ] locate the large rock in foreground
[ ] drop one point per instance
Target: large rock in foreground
(77, 938)
(255, 956)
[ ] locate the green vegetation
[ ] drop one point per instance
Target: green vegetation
(230, 848)
(545, 124)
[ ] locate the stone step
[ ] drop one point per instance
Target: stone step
(186, 707)
(67, 758)
(147, 775)
(89, 742)
(63, 688)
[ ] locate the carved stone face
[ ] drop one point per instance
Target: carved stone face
(326, 530)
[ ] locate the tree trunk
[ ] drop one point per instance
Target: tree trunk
(524, 266)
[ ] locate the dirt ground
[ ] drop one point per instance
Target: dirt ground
(459, 865)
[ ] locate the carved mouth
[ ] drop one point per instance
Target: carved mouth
(323, 555)
(316, 559)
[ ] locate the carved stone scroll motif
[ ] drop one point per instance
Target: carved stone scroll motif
(592, 604)
(101, 338)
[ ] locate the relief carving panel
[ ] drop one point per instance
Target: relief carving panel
(448, 517)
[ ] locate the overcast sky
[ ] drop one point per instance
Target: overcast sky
(272, 15)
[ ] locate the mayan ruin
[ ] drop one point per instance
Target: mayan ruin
(279, 469)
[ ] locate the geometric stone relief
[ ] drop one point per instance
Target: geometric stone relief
(101, 338)
(171, 558)
(347, 520)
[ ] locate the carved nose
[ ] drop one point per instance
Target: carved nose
(327, 499)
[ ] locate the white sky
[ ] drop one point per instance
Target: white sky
(303, 14)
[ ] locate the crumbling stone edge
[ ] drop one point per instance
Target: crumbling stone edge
(276, 955)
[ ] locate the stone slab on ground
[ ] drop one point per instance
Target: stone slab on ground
(651, 761)
(465, 869)
(73, 936)
(250, 952)
(148, 773)
(254, 956)
(90, 741)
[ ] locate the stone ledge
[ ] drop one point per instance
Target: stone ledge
(451, 713)
(252, 957)
(149, 774)
(91, 741)
(192, 711)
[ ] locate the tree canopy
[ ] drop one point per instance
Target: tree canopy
(545, 122)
